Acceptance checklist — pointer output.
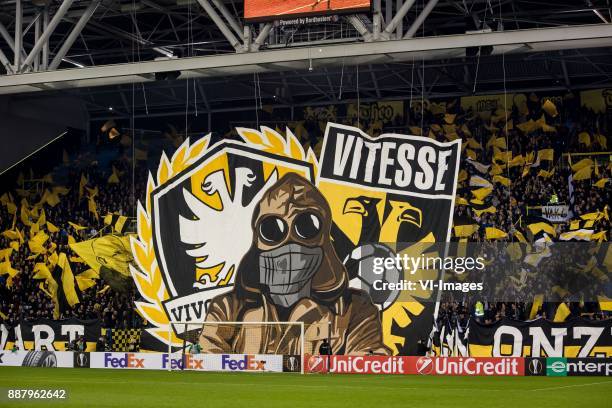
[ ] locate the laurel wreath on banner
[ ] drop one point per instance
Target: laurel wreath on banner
(146, 273)
(271, 141)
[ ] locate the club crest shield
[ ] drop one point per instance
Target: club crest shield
(204, 223)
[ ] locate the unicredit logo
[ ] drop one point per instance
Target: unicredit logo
(476, 366)
(367, 365)
(424, 365)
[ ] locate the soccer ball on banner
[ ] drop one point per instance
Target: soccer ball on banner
(360, 265)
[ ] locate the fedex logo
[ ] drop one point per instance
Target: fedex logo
(188, 362)
(248, 362)
(129, 360)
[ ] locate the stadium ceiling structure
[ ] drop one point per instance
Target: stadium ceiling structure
(99, 49)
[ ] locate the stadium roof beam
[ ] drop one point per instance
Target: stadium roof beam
(59, 15)
(74, 34)
(225, 30)
(426, 48)
(420, 19)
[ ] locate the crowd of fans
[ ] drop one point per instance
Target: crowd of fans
(23, 298)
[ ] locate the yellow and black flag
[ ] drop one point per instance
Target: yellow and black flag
(118, 222)
(109, 256)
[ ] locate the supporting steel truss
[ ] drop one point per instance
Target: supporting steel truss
(111, 42)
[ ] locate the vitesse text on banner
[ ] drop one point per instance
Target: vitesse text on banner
(389, 195)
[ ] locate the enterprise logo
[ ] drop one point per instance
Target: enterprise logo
(559, 366)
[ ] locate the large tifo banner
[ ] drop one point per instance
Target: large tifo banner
(263, 231)
(41, 334)
(541, 338)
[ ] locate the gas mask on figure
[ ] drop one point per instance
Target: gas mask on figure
(291, 237)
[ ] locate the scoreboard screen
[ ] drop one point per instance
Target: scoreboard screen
(267, 10)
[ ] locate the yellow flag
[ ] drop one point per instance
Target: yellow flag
(481, 193)
(584, 138)
(111, 251)
(76, 226)
(538, 300)
(501, 180)
(11, 208)
(42, 220)
(517, 161)
(583, 174)
(502, 157)
(86, 279)
(546, 154)
(5, 253)
(117, 221)
(460, 201)
(496, 169)
(582, 164)
(67, 280)
(500, 142)
(600, 236)
(562, 312)
(40, 237)
(463, 175)
(519, 235)
(82, 183)
(525, 171)
(542, 226)
(491, 210)
(7, 269)
(41, 271)
(11, 234)
(581, 234)
(605, 303)
(91, 205)
(51, 228)
(25, 215)
(592, 216)
(462, 231)
(601, 183)
(546, 174)
(495, 233)
(528, 127)
(549, 107)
